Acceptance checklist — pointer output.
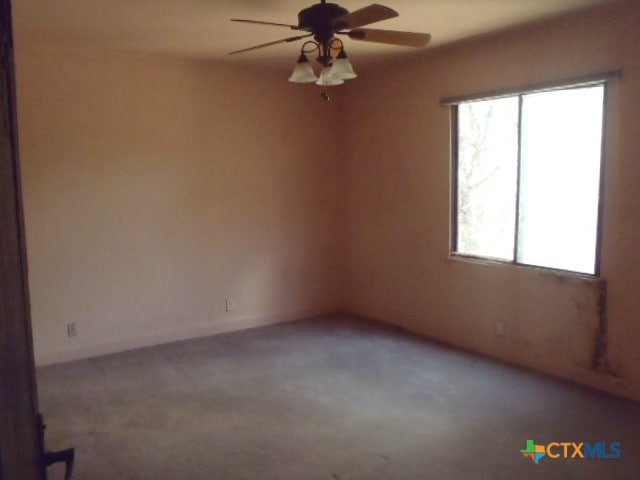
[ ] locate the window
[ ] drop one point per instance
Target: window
(527, 178)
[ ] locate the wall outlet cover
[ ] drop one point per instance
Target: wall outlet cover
(72, 330)
(230, 305)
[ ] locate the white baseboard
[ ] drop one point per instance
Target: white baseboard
(167, 335)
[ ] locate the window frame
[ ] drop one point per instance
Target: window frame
(453, 102)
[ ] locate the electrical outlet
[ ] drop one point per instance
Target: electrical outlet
(72, 330)
(231, 305)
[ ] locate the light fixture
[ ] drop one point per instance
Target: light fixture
(336, 66)
(302, 72)
(342, 67)
(328, 78)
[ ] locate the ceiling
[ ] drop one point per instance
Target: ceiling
(201, 28)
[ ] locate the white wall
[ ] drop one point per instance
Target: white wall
(398, 213)
(155, 188)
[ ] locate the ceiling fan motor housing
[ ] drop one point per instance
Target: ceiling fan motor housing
(317, 18)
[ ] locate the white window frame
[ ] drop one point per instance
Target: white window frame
(453, 102)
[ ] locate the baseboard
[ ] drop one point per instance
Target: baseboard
(174, 334)
(576, 374)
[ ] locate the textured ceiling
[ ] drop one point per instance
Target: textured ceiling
(201, 28)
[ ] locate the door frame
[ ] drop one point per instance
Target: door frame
(20, 432)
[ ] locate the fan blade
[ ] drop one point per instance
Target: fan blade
(392, 37)
(364, 16)
(284, 40)
(259, 22)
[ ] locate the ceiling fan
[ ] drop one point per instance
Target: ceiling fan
(323, 21)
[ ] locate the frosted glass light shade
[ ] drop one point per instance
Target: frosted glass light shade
(328, 79)
(303, 73)
(342, 69)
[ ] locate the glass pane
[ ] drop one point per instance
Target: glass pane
(487, 176)
(560, 178)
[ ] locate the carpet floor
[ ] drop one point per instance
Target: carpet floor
(336, 398)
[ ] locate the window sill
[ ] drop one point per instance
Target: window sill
(558, 273)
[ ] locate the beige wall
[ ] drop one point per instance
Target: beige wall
(397, 218)
(155, 188)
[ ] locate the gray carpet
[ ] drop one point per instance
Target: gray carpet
(332, 398)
